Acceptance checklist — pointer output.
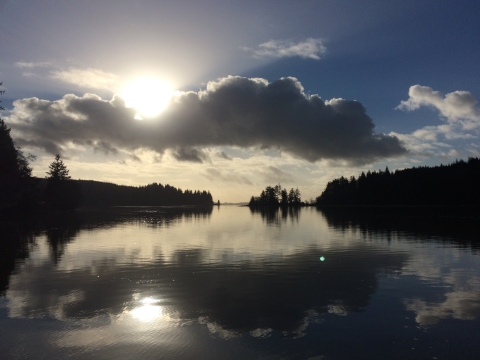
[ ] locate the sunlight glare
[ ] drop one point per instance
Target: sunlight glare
(149, 96)
(148, 311)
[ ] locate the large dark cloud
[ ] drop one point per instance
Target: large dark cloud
(232, 111)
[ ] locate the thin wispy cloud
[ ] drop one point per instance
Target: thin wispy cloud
(232, 176)
(274, 175)
(310, 48)
(31, 65)
(90, 78)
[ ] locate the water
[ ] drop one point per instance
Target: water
(229, 283)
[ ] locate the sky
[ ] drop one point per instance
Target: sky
(232, 96)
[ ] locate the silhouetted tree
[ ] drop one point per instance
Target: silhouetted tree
(276, 196)
(294, 197)
(15, 173)
(61, 193)
(284, 197)
(58, 170)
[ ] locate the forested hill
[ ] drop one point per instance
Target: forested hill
(97, 193)
(454, 184)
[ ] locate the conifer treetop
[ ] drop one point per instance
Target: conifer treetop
(58, 170)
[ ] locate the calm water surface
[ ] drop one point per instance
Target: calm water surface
(229, 283)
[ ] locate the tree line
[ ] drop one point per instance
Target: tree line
(96, 193)
(276, 196)
(453, 184)
(59, 192)
(445, 185)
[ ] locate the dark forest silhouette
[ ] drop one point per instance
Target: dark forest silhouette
(15, 173)
(59, 192)
(275, 196)
(453, 184)
(97, 193)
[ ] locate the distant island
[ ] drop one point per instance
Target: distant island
(275, 196)
(445, 185)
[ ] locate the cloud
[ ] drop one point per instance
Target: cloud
(28, 74)
(233, 111)
(215, 174)
(31, 65)
(135, 158)
(272, 174)
(46, 145)
(103, 147)
(464, 305)
(222, 155)
(192, 155)
(309, 48)
(89, 78)
(459, 110)
(456, 107)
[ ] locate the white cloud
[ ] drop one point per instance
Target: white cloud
(461, 121)
(89, 78)
(457, 107)
(310, 48)
(464, 305)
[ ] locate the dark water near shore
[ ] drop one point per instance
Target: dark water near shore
(229, 283)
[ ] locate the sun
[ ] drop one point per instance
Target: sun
(149, 96)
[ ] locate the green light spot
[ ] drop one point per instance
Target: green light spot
(322, 258)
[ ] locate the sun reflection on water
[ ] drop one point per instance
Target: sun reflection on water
(148, 311)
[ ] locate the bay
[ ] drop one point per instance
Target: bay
(230, 283)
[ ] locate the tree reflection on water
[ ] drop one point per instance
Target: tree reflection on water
(277, 216)
(324, 276)
(449, 224)
(18, 236)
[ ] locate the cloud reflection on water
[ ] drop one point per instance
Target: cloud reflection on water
(234, 276)
(241, 297)
(448, 268)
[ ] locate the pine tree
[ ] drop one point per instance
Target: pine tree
(58, 170)
(61, 193)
